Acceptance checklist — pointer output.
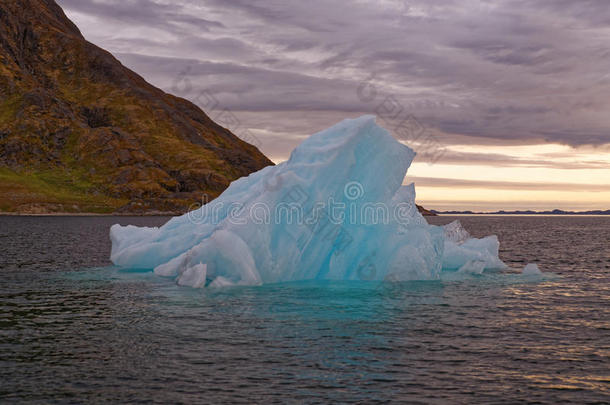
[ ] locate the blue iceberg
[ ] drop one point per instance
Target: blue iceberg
(335, 210)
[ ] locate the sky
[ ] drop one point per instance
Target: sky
(506, 102)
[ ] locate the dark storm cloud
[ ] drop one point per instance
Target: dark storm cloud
(500, 71)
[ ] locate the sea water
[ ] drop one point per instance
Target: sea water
(75, 329)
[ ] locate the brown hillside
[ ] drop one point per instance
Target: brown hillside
(81, 132)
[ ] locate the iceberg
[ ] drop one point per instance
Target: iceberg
(531, 269)
(460, 249)
(473, 267)
(336, 210)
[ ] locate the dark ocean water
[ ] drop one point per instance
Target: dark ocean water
(73, 330)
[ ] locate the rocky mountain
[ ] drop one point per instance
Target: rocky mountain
(79, 132)
(425, 212)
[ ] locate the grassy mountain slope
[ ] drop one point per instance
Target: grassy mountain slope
(81, 132)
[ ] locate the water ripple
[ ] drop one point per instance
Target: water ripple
(74, 333)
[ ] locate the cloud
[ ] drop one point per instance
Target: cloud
(506, 185)
(501, 160)
(500, 72)
(173, 17)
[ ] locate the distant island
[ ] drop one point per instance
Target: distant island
(527, 212)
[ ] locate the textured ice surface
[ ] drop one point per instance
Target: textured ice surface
(473, 267)
(335, 210)
(460, 248)
(456, 233)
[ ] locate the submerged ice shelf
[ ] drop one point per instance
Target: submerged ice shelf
(335, 210)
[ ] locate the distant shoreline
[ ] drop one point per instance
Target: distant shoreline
(526, 213)
(493, 214)
(173, 214)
